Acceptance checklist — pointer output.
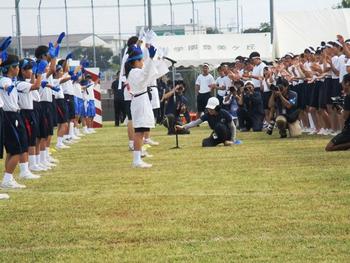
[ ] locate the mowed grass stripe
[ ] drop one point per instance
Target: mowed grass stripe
(268, 200)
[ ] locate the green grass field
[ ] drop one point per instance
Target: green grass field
(268, 200)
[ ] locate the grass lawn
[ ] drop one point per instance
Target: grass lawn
(268, 200)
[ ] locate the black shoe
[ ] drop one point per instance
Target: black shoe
(283, 134)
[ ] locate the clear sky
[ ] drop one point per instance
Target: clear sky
(53, 16)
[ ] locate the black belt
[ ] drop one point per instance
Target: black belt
(137, 95)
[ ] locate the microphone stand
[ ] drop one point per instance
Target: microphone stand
(173, 74)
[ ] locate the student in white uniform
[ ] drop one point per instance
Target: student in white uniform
(3, 54)
(15, 137)
(28, 82)
(138, 76)
(204, 84)
(61, 105)
(48, 54)
(89, 103)
(127, 96)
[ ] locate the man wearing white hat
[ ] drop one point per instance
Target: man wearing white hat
(220, 121)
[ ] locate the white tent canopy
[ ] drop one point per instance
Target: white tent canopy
(294, 31)
(194, 50)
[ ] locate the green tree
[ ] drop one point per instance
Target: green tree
(103, 56)
(343, 4)
(263, 28)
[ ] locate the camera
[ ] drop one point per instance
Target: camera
(274, 88)
(338, 102)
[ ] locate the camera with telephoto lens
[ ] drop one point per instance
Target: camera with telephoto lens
(338, 103)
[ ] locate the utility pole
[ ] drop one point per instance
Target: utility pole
(193, 24)
(39, 22)
(93, 31)
(216, 25)
(149, 14)
(271, 19)
(18, 24)
(67, 35)
(237, 14)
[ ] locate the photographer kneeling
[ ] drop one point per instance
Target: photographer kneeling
(341, 142)
(176, 104)
(283, 102)
(220, 121)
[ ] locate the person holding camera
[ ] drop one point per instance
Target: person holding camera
(341, 142)
(176, 105)
(230, 100)
(283, 102)
(250, 109)
(220, 121)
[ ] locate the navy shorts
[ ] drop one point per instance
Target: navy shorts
(15, 136)
(45, 123)
(308, 93)
(202, 100)
(37, 112)
(322, 95)
(314, 95)
(54, 112)
(70, 106)
(266, 97)
(61, 111)
(335, 90)
(128, 109)
(30, 123)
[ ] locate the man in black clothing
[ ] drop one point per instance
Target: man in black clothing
(250, 109)
(220, 121)
(119, 108)
(176, 104)
(341, 142)
(284, 103)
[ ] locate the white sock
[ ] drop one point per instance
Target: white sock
(47, 153)
(71, 128)
(131, 143)
(7, 177)
(59, 140)
(23, 167)
(32, 160)
(137, 157)
(37, 157)
(42, 156)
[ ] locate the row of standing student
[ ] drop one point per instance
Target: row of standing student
(35, 97)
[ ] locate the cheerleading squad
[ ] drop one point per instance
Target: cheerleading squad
(37, 95)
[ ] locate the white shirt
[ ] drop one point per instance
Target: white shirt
(10, 100)
(259, 72)
(223, 82)
(335, 64)
(90, 91)
(68, 87)
(35, 95)
(46, 93)
(204, 82)
(77, 90)
(342, 68)
(25, 97)
(58, 94)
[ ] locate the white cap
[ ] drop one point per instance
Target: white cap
(249, 82)
(213, 102)
(206, 65)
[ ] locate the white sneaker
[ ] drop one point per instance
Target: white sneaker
(144, 153)
(312, 132)
(142, 164)
(74, 137)
(131, 148)
(4, 196)
(321, 132)
(334, 133)
(91, 130)
(12, 184)
(62, 146)
(49, 165)
(52, 160)
(28, 175)
(43, 166)
(78, 133)
(151, 142)
(36, 168)
(86, 131)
